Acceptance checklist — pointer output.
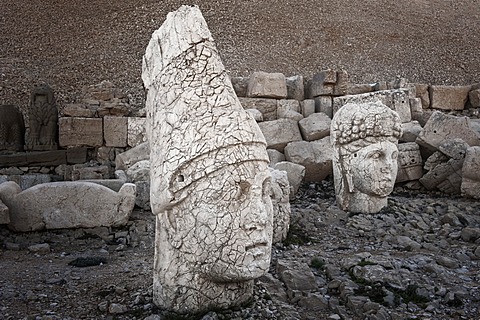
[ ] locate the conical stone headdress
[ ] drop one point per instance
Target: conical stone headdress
(196, 125)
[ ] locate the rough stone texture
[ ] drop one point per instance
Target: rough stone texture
(364, 139)
(322, 84)
(275, 156)
(409, 162)
(448, 97)
(86, 172)
(296, 275)
(59, 205)
(267, 85)
(416, 109)
(136, 131)
(360, 88)
(396, 99)
(280, 195)
(289, 109)
(341, 86)
(421, 91)
(410, 131)
(126, 159)
(295, 88)
(255, 114)
(268, 107)
(75, 132)
(240, 85)
(209, 174)
(42, 119)
(115, 131)
(471, 173)
(279, 133)
(12, 128)
(474, 98)
(307, 107)
(454, 148)
(315, 156)
(445, 176)
(324, 104)
(4, 214)
(139, 174)
(295, 174)
(316, 126)
(441, 127)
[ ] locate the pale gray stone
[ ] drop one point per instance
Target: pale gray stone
(421, 91)
(255, 114)
(139, 171)
(209, 174)
(295, 89)
(448, 97)
(268, 107)
(341, 86)
(474, 98)
(441, 127)
(315, 156)
(296, 275)
(280, 194)
(471, 173)
(416, 109)
(58, 205)
(76, 132)
(295, 173)
(240, 85)
(289, 109)
(324, 104)
(454, 148)
(364, 139)
(126, 159)
(316, 126)
(275, 156)
(4, 213)
(409, 162)
(267, 85)
(117, 308)
(307, 107)
(39, 248)
(136, 131)
(408, 244)
(360, 88)
(410, 131)
(396, 99)
(322, 83)
(470, 234)
(115, 131)
(279, 133)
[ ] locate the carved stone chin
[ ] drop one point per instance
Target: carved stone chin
(364, 139)
(210, 182)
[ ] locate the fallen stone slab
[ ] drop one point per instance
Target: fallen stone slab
(59, 205)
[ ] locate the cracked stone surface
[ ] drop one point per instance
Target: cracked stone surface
(364, 138)
(210, 183)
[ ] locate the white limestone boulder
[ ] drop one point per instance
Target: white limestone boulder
(316, 126)
(295, 174)
(279, 133)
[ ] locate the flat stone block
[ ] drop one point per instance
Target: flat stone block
(307, 107)
(267, 85)
(316, 126)
(279, 133)
(295, 88)
(448, 97)
(136, 131)
(115, 131)
(268, 107)
(75, 132)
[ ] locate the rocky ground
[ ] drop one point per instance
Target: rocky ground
(417, 259)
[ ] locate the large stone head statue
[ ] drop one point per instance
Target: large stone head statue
(209, 174)
(364, 139)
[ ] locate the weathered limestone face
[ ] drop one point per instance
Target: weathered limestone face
(364, 139)
(210, 183)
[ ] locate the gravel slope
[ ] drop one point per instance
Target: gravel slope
(70, 44)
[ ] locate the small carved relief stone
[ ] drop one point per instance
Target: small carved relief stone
(42, 119)
(210, 182)
(12, 128)
(364, 138)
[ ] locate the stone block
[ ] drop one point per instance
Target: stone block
(279, 194)
(295, 88)
(360, 88)
(255, 114)
(136, 131)
(267, 85)
(26, 181)
(396, 99)
(409, 162)
(325, 105)
(59, 205)
(295, 174)
(441, 127)
(416, 109)
(410, 131)
(268, 107)
(341, 86)
(275, 156)
(279, 133)
(240, 85)
(446, 177)
(421, 91)
(448, 97)
(474, 98)
(82, 172)
(296, 275)
(454, 148)
(4, 213)
(322, 84)
(78, 110)
(471, 173)
(307, 107)
(115, 131)
(126, 159)
(316, 126)
(289, 109)
(76, 132)
(76, 155)
(315, 156)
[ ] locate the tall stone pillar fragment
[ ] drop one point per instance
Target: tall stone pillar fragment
(209, 174)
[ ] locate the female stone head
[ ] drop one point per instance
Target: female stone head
(364, 138)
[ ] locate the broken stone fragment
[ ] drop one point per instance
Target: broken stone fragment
(59, 205)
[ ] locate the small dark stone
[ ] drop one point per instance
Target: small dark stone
(88, 262)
